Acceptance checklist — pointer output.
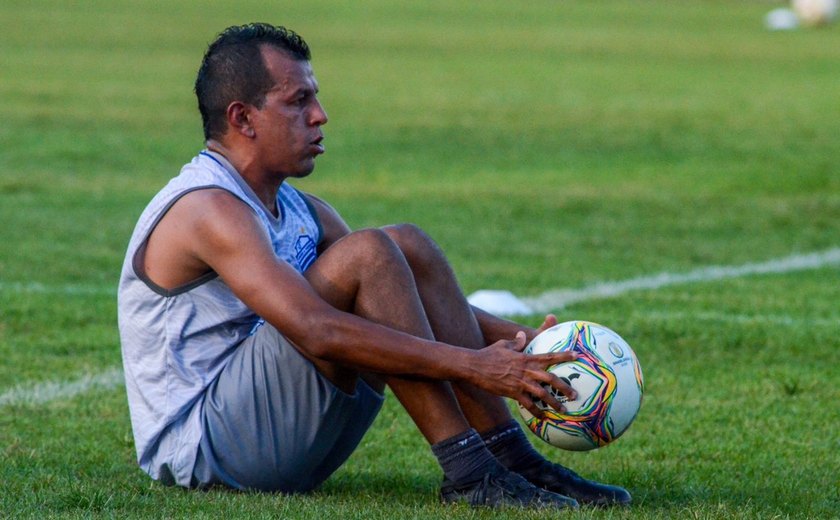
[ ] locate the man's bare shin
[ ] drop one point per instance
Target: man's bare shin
(450, 317)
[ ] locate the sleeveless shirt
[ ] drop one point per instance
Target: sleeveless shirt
(175, 343)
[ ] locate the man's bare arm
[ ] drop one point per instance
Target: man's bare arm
(218, 229)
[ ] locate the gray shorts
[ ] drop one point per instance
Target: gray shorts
(272, 422)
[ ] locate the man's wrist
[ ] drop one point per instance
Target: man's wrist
(459, 365)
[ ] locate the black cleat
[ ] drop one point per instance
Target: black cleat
(557, 479)
(502, 488)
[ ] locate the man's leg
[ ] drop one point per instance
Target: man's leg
(366, 273)
(452, 321)
(450, 317)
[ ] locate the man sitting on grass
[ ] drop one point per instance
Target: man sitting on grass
(258, 332)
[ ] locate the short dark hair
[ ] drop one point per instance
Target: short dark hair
(233, 70)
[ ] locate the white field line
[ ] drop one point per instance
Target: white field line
(554, 300)
(39, 393)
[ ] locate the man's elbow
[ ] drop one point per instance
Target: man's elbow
(317, 337)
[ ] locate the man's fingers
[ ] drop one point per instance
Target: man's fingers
(549, 321)
(553, 358)
(543, 393)
(528, 403)
(519, 341)
(547, 378)
(562, 387)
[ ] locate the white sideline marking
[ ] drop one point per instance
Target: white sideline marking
(553, 300)
(45, 392)
(40, 393)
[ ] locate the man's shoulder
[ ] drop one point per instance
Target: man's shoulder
(213, 199)
(203, 169)
(210, 210)
(203, 173)
(197, 199)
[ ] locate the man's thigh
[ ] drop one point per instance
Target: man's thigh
(271, 421)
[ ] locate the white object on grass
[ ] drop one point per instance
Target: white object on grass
(502, 303)
(781, 19)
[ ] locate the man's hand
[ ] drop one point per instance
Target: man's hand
(503, 369)
(549, 321)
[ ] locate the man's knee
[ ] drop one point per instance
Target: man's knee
(369, 240)
(365, 248)
(417, 246)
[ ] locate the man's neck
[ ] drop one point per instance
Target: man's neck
(264, 187)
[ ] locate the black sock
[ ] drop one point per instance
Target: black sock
(508, 443)
(464, 457)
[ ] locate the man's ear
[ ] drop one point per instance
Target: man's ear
(239, 118)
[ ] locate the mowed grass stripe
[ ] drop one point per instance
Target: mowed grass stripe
(557, 298)
(626, 138)
(786, 320)
(62, 289)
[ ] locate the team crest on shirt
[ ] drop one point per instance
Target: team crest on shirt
(305, 250)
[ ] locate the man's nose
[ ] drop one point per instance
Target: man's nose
(319, 115)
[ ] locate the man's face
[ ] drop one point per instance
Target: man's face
(288, 126)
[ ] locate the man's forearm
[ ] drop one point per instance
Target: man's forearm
(495, 328)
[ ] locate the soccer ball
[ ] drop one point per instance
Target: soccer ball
(815, 12)
(608, 381)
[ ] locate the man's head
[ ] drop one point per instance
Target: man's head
(233, 69)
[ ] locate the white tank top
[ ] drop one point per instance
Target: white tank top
(175, 343)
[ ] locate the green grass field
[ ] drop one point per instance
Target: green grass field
(546, 145)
